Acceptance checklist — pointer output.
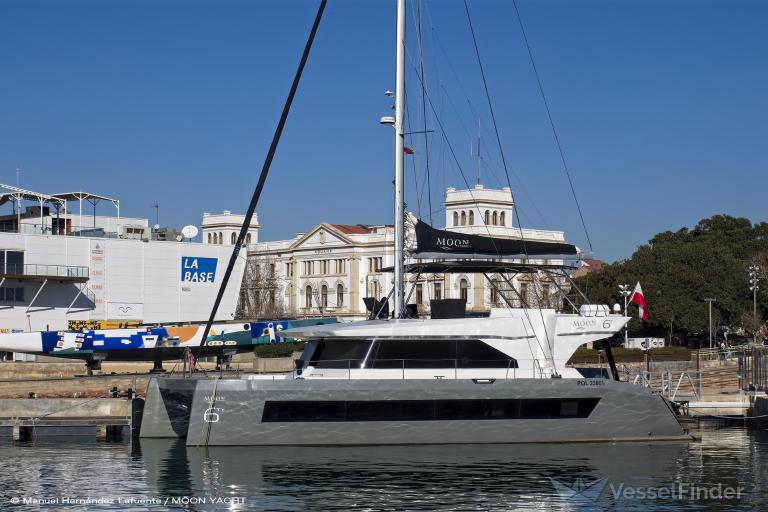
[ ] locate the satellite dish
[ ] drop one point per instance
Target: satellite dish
(189, 231)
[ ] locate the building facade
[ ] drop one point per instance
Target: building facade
(58, 266)
(223, 228)
(329, 269)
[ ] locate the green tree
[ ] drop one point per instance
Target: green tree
(679, 269)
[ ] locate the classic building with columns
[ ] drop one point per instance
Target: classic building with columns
(329, 269)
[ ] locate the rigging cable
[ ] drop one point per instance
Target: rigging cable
(551, 121)
(473, 110)
(471, 194)
(263, 176)
(504, 162)
(424, 109)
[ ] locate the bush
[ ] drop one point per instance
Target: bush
(277, 349)
(631, 355)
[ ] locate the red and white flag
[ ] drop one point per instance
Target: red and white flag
(638, 298)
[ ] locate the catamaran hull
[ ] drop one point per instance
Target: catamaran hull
(231, 412)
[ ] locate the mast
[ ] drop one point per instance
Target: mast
(399, 160)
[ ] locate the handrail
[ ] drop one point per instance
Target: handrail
(448, 367)
(35, 270)
(45, 229)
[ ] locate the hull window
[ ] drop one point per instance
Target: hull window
(426, 410)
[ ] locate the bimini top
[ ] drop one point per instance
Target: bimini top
(476, 267)
(438, 243)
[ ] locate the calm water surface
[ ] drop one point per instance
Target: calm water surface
(165, 475)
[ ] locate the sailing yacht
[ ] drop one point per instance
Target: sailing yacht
(401, 379)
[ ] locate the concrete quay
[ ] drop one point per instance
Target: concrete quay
(105, 418)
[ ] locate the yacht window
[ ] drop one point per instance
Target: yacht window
(339, 353)
(426, 353)
(413, 354)
(427, 410)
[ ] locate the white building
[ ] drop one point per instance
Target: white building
(329, 269)
(56, 268)
(223, 228)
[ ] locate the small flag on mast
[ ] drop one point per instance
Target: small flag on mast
(407, 150)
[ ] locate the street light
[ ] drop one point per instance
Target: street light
(754, 285)
(710, 320)
(625, 292)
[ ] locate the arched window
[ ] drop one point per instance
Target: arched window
(324, 296)
(215, 238)
(464, 290)
(455, 218)
(234, 238)
(248, 238)
(524, 294)
(221, 238)
(495, 218)
(494, 292)
(471, 217)
(463, 218)
(209, 238)
(487, 217)
(339, 295)
(501, 219)
(308, 296)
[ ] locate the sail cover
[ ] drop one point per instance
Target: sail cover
(438, 243)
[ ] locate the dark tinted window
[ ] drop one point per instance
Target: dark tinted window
(413, 354)
(424, 410)
(437, 354)
(14, 261)
(417, 353)
(339, 353)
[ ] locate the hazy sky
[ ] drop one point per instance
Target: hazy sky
(661, 107)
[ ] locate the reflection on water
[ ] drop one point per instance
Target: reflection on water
(468, 477)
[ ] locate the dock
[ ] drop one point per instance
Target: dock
(104, 418)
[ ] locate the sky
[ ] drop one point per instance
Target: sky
(660, 108)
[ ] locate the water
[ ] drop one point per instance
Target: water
(165, 475)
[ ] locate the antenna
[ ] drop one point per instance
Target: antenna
(157, 213)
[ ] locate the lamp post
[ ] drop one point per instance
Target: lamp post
(754, 280)
(710, 301)
(625, 292)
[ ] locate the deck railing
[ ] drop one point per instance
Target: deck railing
(439, 368)
(34, 270)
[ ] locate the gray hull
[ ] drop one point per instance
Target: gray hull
(228, 412)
